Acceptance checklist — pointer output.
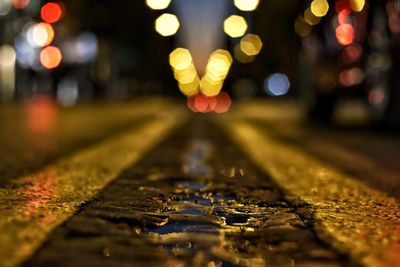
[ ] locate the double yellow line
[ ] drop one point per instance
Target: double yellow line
(353, 218)
(40, 202)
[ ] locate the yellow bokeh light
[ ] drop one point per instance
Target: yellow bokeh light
(301, 27)
(185, 72)
(319, 7)
(357, 5)
(180, 59)
(209, 87)
(235, 26)
(167, 24)
(310, 18)
(218, 65)
(246, 5)
(251, 44)
(242, 57)
(158, 4)
(190, 89)
(217, 69)
(187, 75)
(224, 54)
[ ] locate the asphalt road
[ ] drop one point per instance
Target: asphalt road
(195, 200)
(255, 187)
(37, 133)
(368, 154)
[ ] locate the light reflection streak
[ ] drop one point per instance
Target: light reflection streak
(41, 114)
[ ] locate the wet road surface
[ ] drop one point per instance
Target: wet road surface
(368, 154)
(38, 133)
(195, 200)
(298, 194)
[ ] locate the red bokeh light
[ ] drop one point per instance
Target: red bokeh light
(212, 102)
(51, 12)
(345, 34)
(341, 5)
(190, 103)
(344, 16)
(352, 53)
(223, 103)
(201, 102)
(204, 104)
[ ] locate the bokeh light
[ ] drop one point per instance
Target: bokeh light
(86, 47)
(5, 7)
(41, 34)
(184, 71)
(352, 53)
(67, 91)
(242, 57)
(7, 71)
(301, 27)
(7, 56)
(51, 12)
(180, 59)
(167, 24)
(351, 77)
(246, 5)
(158, 4)
(224, 103)
(344, 16)
(26, 55)
(251, 44)
(342, 5)
(201, 102)
(319, 7)
(376, 96)
(20, 4)
(50, 57)
(310, 18)
(345, 34)
(277, 84)
(190, 103)
(357, 5)
(217, 69)
(235, 26)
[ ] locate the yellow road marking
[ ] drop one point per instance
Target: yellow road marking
(355, 219)
(44, 200)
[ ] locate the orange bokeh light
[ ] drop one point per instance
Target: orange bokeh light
(51, 12)
(20, 4)
(345, 34)
(50, 57)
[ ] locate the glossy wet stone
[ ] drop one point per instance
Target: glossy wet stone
(196, 200)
